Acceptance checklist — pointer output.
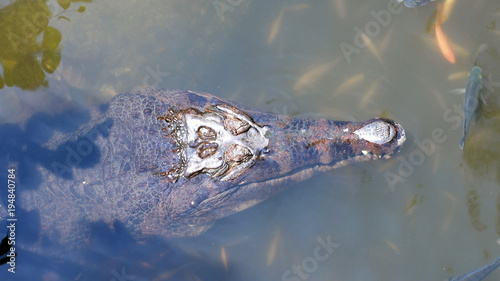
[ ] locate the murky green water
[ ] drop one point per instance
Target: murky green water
(430, 213)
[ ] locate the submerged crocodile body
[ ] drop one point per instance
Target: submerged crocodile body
(169, 163)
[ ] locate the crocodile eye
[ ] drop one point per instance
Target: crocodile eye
(237, 153)
(235, 125)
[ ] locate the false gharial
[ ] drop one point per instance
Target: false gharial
(170, 163)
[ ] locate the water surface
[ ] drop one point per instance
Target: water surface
(430, 213)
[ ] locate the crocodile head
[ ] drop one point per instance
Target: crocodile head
(231, 159)
(170, 163)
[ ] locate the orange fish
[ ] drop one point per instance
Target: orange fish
(443, 44)
(447, 8)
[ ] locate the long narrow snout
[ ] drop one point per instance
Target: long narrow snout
(300, 144)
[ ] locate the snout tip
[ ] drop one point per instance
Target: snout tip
(400, 136)
(382, 131)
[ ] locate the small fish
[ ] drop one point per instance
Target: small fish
(479, 273)
(443, 43)
(313, 75)
(371, 47)
(446, 12)
(275, 28)
(392, 246)
(349, 83)
(298, 7)
(415, 3)
(471, 99)
(369, 94)
(458, 76)
(339, 8)
(271, 253)
(223, 257)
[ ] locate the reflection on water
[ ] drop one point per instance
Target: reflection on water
(22, 23)
(282, 57)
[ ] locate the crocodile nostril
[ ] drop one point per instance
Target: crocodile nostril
(266, 150)
(378, 132)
